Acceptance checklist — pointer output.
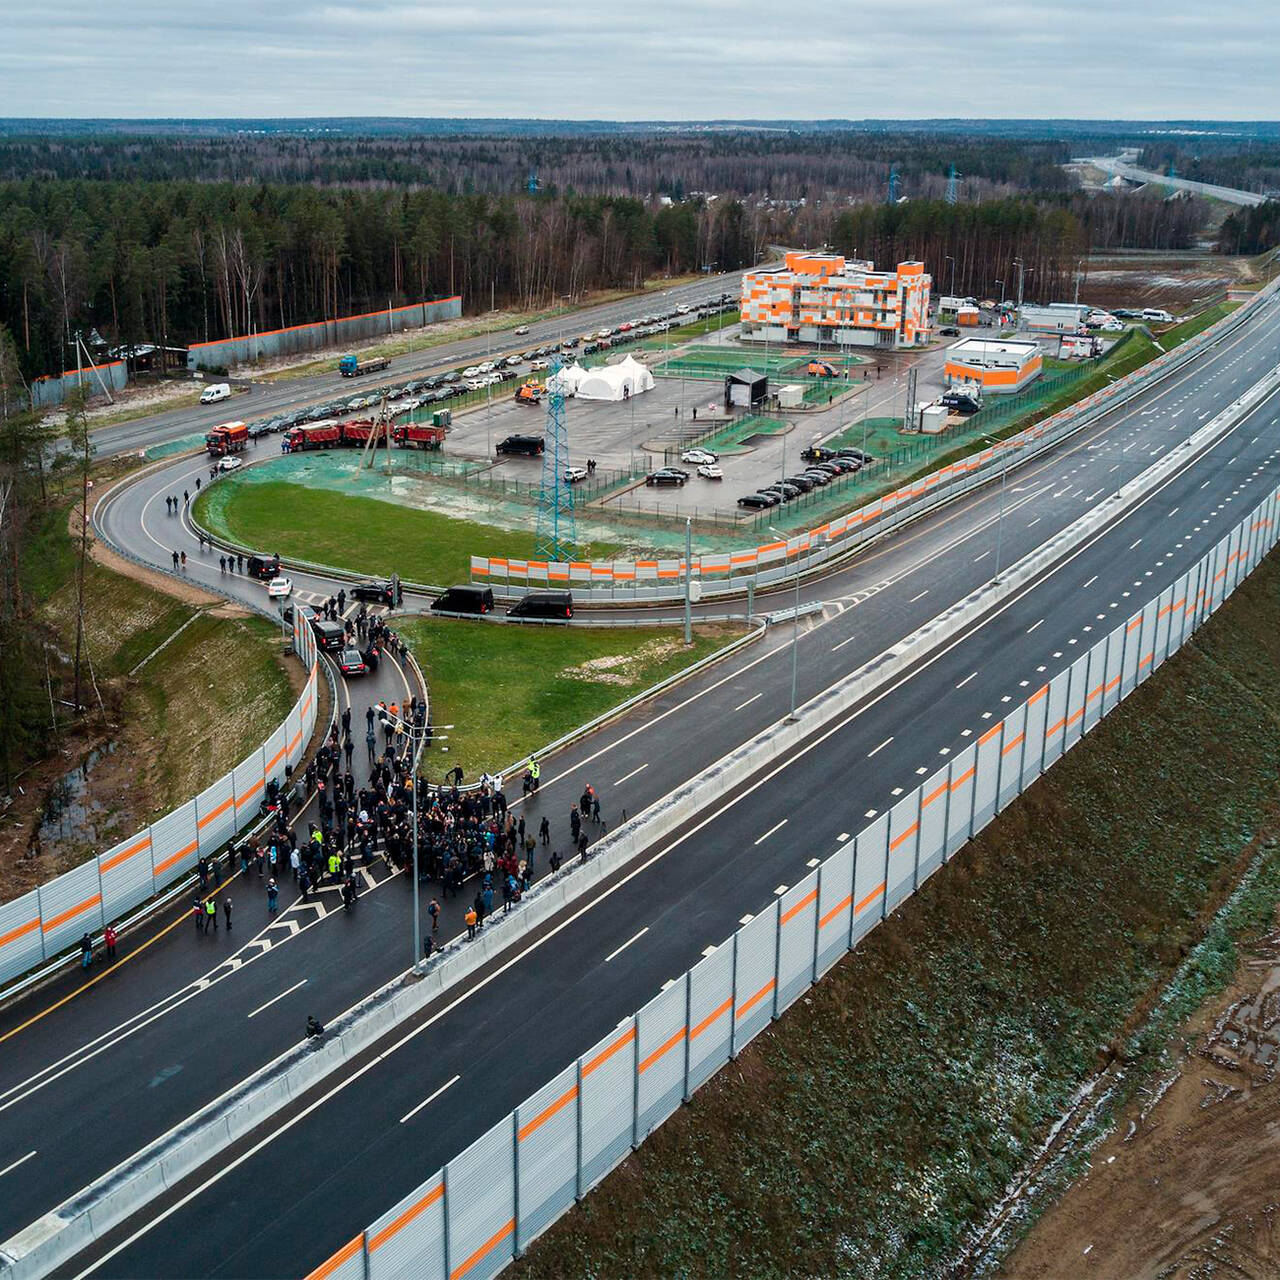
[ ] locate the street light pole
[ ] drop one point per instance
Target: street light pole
(951, 260)
(688, 580)
(795, 638)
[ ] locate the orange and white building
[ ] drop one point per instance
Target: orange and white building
(991, 364)
(821, 297)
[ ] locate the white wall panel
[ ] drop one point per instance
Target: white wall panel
(754, 976)
(661, 1031)
(835, 906)
(547, 1167)
(710, 1015)
(480, 1213)
(797, 924)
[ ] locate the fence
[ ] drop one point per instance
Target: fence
(226, 352)
(489, 1203)
(51, 919)
(53, 390)
(777, 561)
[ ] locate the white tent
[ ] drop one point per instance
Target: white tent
(615, 382)
(566, 380)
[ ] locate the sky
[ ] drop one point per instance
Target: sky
(646, 60)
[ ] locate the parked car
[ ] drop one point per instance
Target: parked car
(351, 663)
(279, 588)
(215, 392)
(949, 331)
(513, 361)
(671, 477)
(699, 455)
(818, 478)
(543, 604)
(378, 590)
(467, 598)
(758, 501)
(471, 371)
(540, 363)
(709, 471)
(573, 475)
(803, 483)
(230, 464)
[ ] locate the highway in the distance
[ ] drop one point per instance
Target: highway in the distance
(265, 398)
(352, 1147)
(909, 579)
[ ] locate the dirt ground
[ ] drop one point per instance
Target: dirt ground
(1188, 1187)
(1177, 282)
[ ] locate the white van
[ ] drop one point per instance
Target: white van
(218, 391)
(1157, 316)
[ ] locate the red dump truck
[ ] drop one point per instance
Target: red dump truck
(230, 437)
(318, 435)
(419, 435)
(358, 432)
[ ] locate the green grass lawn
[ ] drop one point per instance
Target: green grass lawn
(509, 690)
(365, 535)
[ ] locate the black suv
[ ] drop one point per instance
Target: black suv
(379, 591)
(528, 446)
(264, 568)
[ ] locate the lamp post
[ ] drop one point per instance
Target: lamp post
(951, 260)
(795, 637)
(1004, 471)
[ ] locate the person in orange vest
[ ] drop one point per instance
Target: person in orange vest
(471, 919)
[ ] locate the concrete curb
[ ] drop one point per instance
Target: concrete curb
(60, 1234)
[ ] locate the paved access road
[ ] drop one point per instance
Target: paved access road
(265, 398)
(310, 1178)
(60, 1078)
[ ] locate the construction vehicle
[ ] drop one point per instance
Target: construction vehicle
(357, 432)
(820, 369)
(419, 435)
(318, 435)
(530, 393)
(350, 367)
(230, 437)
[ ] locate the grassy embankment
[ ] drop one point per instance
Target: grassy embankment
(879, 1121)
(192, 712)
(509, 690)
(365, 535)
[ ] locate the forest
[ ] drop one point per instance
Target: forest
(1254, 230)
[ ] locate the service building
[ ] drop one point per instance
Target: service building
(996, 366)
(826, 298)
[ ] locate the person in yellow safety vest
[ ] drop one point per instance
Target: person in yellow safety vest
(535, 772)
(211, 915)
(335, 865)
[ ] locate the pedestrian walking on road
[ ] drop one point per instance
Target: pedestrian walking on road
(226, 911)
(433, 910)
(109, 936)
(239, 563)
(86, 951)
(211, 915)
(184, 562)
(222, 564)
(273, 895)
(197, 910)
(186, 499)
(175, 560)
(544, 832)
(198, 481)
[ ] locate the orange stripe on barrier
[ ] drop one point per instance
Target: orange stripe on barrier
(933, 795)
(835, 911)
(744, 1009)
(665, 1047)
(544, 1115)
(869, 899)
(253, 791)
(222, 808)
(799, 906)
(20, 932)
(488, 1247)
(348, 1251)
(177, 857)
(1052, 729)
(1041, 692)
(990, 733)
(1095, 694)
(124, 855)
(715, 1014)
(1137, 622)
(275, 759)
(605, 1054)
(1111, 684)
(1145, 660)
(906, 835)
(961, 780)
(1009, 746)
(1074, 716)
(70, 913)
(398, 1224)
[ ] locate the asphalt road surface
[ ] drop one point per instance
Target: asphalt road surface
(265, 398)
(504, 1044)
(1231, 195)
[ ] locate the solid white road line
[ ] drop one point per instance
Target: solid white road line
(10, 1168)
(965, 681)
(427, 1101)
(626, 944)
(627, 777)
(881, 747)
(1033, 626)
(776, 827)
(921, 596)
(281, 996)
(748, 702)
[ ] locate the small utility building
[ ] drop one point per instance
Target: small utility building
(997, 366)
(745, 388)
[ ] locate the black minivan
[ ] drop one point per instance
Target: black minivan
(543, 604)
(467, 598)
(330, 636)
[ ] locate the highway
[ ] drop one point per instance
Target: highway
(317, 1173)
(141, 1079)
(1231, 195)
(264, 398)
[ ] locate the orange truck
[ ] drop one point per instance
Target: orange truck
(358, 432)
(419, 435)
(230, 437)
(317, 435)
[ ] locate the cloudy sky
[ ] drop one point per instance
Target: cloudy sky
(647, 59)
